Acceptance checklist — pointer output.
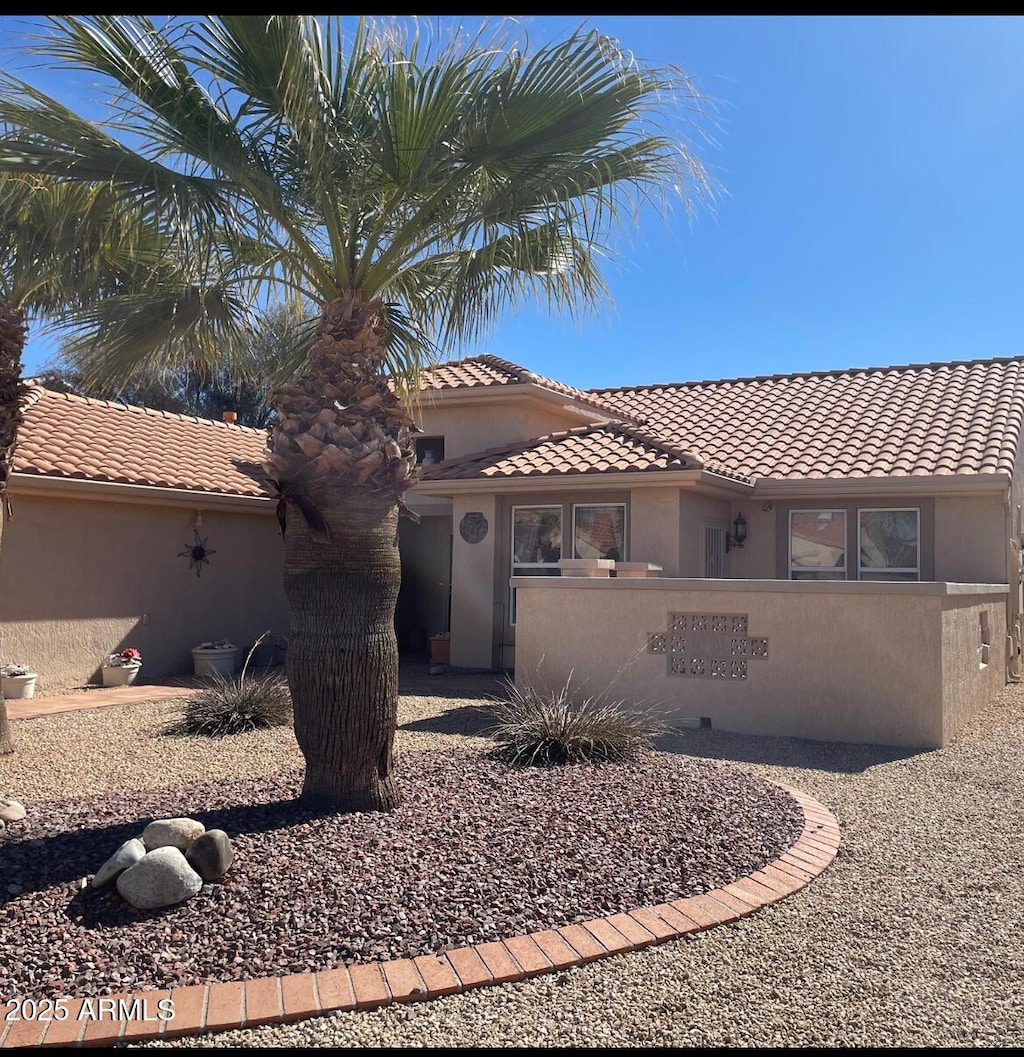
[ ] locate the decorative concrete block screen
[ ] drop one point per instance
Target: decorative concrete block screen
(872, 662)
(707, 645)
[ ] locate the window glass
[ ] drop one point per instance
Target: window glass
(889, 544)
(536, 535)
(817, 544)
(599, 531)
(536, 545)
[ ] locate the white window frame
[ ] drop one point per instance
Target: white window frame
(844, 569)
(513, 564)
(871, 570)
(625, 526)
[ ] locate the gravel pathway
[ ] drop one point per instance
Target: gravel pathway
(911, 938)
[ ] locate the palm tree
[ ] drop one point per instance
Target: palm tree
(409, 187)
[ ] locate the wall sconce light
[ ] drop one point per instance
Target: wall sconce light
(738, 537)
(199, 520)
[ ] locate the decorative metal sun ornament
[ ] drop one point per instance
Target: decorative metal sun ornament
(198, 554)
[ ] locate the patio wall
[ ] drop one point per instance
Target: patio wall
(882, 663)
(82, 578)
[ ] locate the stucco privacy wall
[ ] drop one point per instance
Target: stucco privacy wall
(880, 663)
(82, 578)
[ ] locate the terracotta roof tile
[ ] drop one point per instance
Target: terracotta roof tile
(603, 448)
(922, 419)
(486, 371)
(99, 440)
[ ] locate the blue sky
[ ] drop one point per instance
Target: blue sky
(871, 208)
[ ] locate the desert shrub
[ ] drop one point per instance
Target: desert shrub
(236, 704)
(546, 727)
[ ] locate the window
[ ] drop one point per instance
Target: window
(889, 544)
(817, 544)
(536, 544)
(429, 450)
(599, 531)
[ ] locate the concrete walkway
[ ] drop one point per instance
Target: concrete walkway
(414, 679)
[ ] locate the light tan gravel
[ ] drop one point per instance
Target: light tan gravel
(912, 938)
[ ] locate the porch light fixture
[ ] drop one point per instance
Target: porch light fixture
(738, 537)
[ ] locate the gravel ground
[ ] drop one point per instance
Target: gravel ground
(911, 938)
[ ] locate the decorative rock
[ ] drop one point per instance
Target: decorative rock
(172, 832)
(126, 856)
(11, 810)
(160, 878)
(211, 855)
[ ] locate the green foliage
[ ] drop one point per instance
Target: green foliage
(236, 705)
(543, 728)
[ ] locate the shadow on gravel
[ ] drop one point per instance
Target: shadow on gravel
(781, 752)
(65, 858)
(471, 720)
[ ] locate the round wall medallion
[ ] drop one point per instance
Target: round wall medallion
(473, 527)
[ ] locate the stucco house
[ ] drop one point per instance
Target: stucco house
(858, 530)
(826, 554)
(109, 503)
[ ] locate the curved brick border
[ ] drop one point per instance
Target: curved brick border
(215, 1007)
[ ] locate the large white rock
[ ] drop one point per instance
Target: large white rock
(160, 878)
(172, 832)
(11, 810)
(126, 856)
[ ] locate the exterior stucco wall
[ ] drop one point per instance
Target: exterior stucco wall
(848, 662)
(973, 657)
(473, 616)
(694, 511)
(80, 579)
(476, 427)
(655, 528)
(970, 538)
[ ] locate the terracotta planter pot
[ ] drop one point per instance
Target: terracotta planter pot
(440, 650)
(120, 675)
(14, 687)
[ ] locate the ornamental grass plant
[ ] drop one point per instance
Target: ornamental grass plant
(543, 728)
(230, 704)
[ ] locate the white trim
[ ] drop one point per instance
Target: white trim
(841, 587)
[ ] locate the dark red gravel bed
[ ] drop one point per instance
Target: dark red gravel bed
(476, 852)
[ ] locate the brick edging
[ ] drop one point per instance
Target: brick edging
(205, 1008)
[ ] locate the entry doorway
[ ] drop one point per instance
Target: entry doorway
(424, 601)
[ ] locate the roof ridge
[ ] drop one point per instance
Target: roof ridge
(123, 405)
(834, 373)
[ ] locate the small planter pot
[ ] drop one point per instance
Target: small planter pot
(120, 674)
(440, 649)
(210, 661)
(15, 687)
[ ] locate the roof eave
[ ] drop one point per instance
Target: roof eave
(500, 393)
(922, 484)
(118, 492)
(695, 478)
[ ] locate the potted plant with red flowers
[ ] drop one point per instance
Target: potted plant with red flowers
(120, 669)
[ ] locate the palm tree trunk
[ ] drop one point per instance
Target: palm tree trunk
(341, 456)
(12, 344)
(342, 653)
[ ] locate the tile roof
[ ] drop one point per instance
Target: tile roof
(99, 440)
(922, 419)
(598, 449)
(486, 371)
